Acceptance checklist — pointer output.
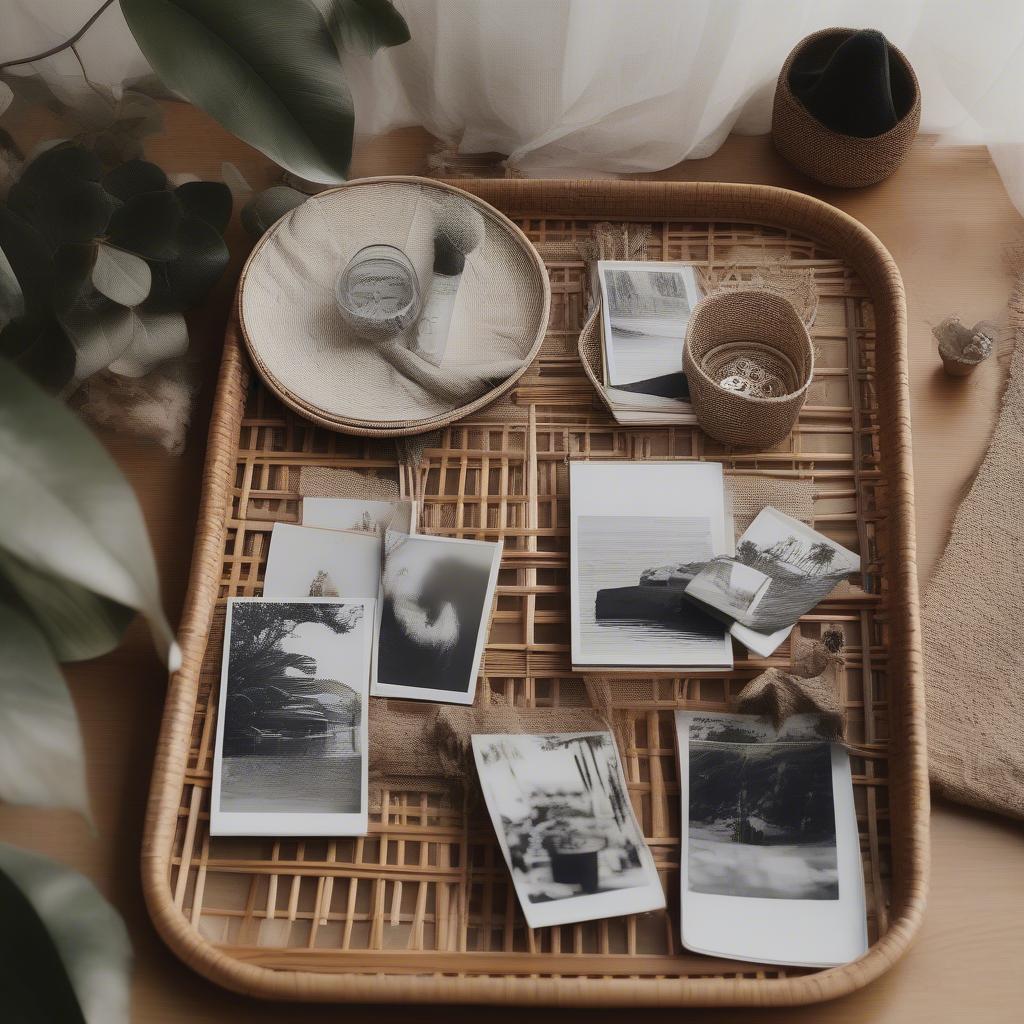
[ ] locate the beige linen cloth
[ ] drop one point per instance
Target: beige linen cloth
(973, 621)
(291, 321)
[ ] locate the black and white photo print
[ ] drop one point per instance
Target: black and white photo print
(627, 521)
(435, 609)
(770, 835)
(646, 309)
(290, 757)
(800, 565)
(564, 821)
(308, 562)
(762, 820)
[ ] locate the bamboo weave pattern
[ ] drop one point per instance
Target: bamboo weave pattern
(427, 891)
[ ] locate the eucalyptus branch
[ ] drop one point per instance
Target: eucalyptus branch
(62, 46)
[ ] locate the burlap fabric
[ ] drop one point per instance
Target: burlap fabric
(325, 482)
(973, 621)
(748, 494)
(767, 328)
(412, 743)
(811, 686)
(300, 345)
(828, 156)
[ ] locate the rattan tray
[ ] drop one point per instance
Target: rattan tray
(422, 909)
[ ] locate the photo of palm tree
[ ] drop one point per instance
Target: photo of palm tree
(800, 567)
(291, 729)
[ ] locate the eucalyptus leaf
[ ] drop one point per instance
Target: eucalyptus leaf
(73, 275)
(364, 26)
(65, 508)
(273, 79)
(38, 345)
(61, 165)
(77, 213)
(148, 225)
(122, 276)
(209, 200)
(77, 623)
(134, 177)
(182, 283)
(156, 337)
(41, 760)
(93, 951)
(269, 206)
(101, 336)
(12, 301)
(30, 259)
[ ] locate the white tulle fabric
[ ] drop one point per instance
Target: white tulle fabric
(607, 86)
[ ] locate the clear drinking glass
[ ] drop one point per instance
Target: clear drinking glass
(377, 291)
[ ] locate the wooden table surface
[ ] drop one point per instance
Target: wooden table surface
(947, 220)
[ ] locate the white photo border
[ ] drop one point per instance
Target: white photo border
(271, 823)
(422, 693)
(585, 907)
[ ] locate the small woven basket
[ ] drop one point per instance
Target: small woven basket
(831, 157)
(764, 328)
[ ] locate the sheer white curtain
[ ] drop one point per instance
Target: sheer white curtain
(605, 86)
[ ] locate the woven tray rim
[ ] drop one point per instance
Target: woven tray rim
(760, 204)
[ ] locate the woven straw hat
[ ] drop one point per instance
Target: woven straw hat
(831, 157)
(316, 364)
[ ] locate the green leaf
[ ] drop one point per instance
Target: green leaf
(184, 282)
(6, 96)
(209, 200)
(364, 26)
(101, 335)
(41, 761)
(272, 76)
(73, 270)
(38, 345)
(36, 987)
(122, 276)
(69, 208)
(134, 177)
(77, 623)
(30, 259)
(156, 337)
(148, 225)
(61, 165)
(65, 508)
(12, 301)
(88, 952)
(269, 206)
